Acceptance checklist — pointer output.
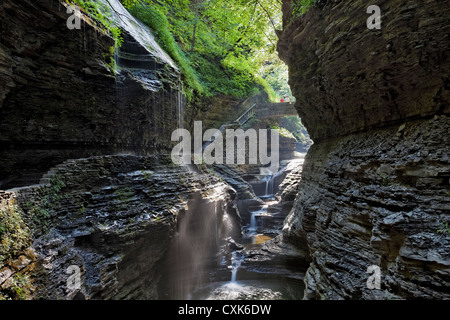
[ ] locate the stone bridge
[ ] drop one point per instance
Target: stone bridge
(268, 110)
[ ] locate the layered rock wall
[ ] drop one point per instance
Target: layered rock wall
(348, 78)
(116, 219)
(60, 98)
(375, 184)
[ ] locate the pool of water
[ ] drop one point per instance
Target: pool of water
(244, 284)
(256, 289)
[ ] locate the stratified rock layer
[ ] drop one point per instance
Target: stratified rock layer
(115, 219)
(377, 198)
(59, 98)
(347, 78)
(375, 185)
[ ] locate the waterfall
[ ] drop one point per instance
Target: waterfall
(269, 180)
(253, 221)
(269, 190)
(139, 62)
(266, 179)
(236, 261)
(140, 32)
(179, 105)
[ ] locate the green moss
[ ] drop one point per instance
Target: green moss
(102, 17)
(300, 7)
(215, 65)
(295, 126)
(444, 229)
(40, 215)
(15, 235)
(283, 132)
(153, 16)
(123, 194)
(21, 287)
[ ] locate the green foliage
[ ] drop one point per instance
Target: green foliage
(294, 125)
(42, 212)
(283, 132)
(129, 3)
(102, 17)
(153, 15)
(124, 194)
(444, 229)
(300, 7)
(276, 75)
(14, 233)
(384, 180)
(147, 174)
(20, 288)
(219, 45)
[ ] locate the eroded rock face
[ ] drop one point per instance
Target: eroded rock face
(378, 198)
(59, 100)
(347, 78)
(374, 186)
(116, 218)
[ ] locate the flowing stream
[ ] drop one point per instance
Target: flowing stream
(190, 270)
(246, 284)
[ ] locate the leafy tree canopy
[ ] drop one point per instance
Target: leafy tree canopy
(222, 46)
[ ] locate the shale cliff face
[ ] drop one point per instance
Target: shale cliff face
(60, 99)
(375, 185)
(113, 212)
(348, 78)
(116, 219)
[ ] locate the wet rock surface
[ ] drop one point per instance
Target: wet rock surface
(244, 291)
(60, 99)
(116, 219)
(377, 199)
(375, 183)
(264, 265)
(348, 78)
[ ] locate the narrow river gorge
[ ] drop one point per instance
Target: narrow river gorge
(93, 205)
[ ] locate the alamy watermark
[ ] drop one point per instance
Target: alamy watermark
(374, 21)
(212, 147)
(74, 21)
(374, 280)
(74, 280)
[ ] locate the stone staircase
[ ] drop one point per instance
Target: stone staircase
(62, 167)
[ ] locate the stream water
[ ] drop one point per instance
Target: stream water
(244, 284)
(196, 245)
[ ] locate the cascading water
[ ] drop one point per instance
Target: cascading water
(236, 261)
(253, 221)
(146, 73)
(269, 178)
(269, 185)
(180, 103)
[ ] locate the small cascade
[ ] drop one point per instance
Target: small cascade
(269, 185)
(253, 227)
(253, 221)
(236, 261)
(269, 181)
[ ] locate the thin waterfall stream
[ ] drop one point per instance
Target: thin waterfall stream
(238, 278)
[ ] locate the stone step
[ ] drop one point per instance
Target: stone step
(25, 180)
(45, 181)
